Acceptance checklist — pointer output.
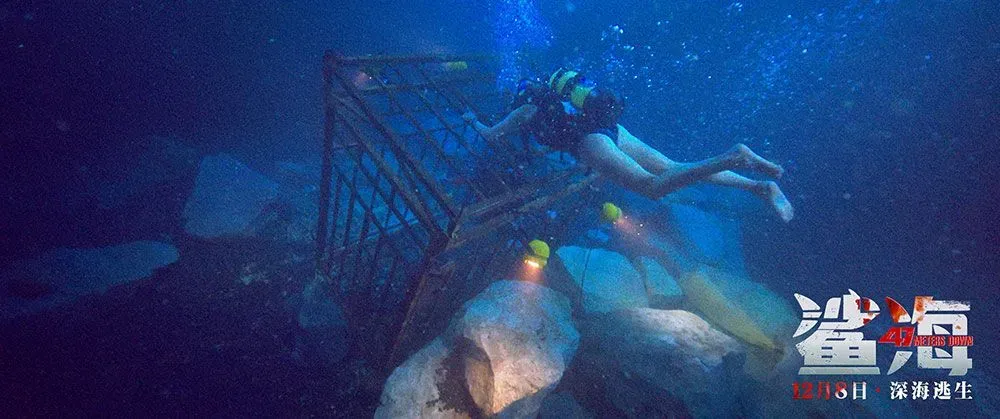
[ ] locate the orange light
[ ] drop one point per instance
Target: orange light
(626, 226)
(532, 271)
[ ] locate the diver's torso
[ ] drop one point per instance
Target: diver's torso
(557, 123)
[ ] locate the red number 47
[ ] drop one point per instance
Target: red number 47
(899, 336)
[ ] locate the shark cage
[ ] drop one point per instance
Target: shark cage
(418, 210)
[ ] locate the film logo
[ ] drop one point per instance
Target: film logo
(834, 344)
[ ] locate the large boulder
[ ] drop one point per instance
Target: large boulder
(503, 353)
(293, 219)
(743, 308)
(420, 388)
(63, 275)
(662, 363)
(608, 280)
(519, 338)
(228, 197)
(323, 324)
(560, 405)
(708, 237)
(702, 222)
(661, 286)
(232, 200)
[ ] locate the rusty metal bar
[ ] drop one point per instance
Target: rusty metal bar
(475, 232)
(387, 114)
(374, 235)
(438, 130)
(425, 58)
(408, 306)
(467, 105)
(419, 210)
(400, 152)
(486, 208)
(477, 77)
(334, 218)
(465, 102)
(327, 167)
(357, 113)
(447, 127)
(348, 222)
(392, 201)
(428, 139)
(365, 225)
(389, 204)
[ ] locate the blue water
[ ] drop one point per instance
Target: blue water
(883, 113)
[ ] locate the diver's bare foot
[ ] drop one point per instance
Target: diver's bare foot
(744, 157)
(771, 193)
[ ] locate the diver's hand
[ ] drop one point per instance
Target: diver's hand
(488, 133)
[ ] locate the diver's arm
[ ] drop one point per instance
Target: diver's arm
(510, 124)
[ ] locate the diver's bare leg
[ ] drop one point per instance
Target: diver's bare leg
(598, 151)
(771, 193)
(683, 175)
(655, 162)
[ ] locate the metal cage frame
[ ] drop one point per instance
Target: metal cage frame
(412, 195)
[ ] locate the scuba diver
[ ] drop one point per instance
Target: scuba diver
(570, 113)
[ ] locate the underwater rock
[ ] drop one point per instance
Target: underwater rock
(562, 405)
(288, 219)
(297, 175)
(228, 196)
(503, 353)
(414, 390)
(62, 275)
(662, 363)
(323, 323)
(232, 200)
(661, 287)
(519, 338)
(743, 308)
(715, 198)
(598, 236)
(608, 279)
(299, 204)
(708, 237)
